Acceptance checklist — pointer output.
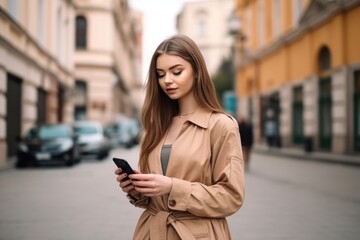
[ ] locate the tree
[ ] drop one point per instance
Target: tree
(223, 79)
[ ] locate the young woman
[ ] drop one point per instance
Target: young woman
(191, 165)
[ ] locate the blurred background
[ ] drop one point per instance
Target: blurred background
(76, 69)
(295, 63)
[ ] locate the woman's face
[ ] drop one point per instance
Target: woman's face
(175, 76)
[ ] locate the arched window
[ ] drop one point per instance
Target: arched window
(80, 34)
(324, 60)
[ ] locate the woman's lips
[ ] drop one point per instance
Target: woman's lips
(171, 90)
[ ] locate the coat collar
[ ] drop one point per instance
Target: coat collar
(201, 117)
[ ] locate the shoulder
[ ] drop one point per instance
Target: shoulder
(223, 122)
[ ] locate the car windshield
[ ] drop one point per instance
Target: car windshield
(86, 130)
(49, 132)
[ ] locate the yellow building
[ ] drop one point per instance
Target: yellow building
(299, 66)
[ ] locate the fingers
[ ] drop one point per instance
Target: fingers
(118, 171)
(146, 184)
(124, 182)
(151, 184)
(127, 187)
(121, 177)
(142, 177)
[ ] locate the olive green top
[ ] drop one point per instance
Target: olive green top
(165, 153)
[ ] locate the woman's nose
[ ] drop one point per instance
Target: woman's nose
(168, 79)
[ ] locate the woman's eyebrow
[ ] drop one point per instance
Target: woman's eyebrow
(172, 67)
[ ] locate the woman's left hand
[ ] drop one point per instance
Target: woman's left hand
(151, 185)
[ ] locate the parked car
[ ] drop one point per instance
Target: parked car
(125, 133)
(91, 138)
(48, 143)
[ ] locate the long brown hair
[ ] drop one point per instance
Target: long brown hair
(159, 109)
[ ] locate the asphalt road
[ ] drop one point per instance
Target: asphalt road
(285, 199)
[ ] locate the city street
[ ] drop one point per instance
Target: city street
(285, 199)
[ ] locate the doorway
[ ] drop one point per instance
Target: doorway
(14, 112)
(297, 116)
(325, 119)
(357, 111)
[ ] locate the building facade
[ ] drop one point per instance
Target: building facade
(300, 67)
(206, 22)
(106, 64)
(64, 60)
(36, 65)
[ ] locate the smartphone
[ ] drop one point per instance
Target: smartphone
(124, 165)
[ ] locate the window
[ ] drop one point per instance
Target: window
(80, 92)
(261, 13)
(201, 24)
(324, 59)
(247, 27)
(276, 18)
(80, 100)
(14, 8)
(59, 28)
(201, 28)
(41, 22)
(41, 106)
(81, 31)
(297, 7)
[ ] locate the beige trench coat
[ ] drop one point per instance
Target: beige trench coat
(207, 168)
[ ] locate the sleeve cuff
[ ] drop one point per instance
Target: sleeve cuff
(179, 196)
(141, 203)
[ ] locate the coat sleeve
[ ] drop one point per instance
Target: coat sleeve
(143, 202)
(225, 196)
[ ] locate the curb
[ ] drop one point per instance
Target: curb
(10, 164)
(353, 160)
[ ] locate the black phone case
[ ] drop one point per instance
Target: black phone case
(124, 165)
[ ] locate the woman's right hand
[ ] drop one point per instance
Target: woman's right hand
(126, 183)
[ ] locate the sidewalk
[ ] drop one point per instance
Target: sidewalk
(316, 156)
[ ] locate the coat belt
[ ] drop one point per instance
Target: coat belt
(158, 225)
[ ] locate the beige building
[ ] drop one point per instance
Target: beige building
(106, 66)
(138, 93)
(36, 65)
(63, 60)
(206, 22)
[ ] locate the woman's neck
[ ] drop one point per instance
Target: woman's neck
(187, 106)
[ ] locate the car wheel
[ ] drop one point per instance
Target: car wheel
(69, 159)
(103, 155)
(76, 156)
(69, 163)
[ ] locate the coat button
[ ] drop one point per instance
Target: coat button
(172, 203)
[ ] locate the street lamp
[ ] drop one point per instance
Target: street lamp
(234, 24)
(238, 37)
(235, 30)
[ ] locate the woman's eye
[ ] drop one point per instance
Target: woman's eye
(177, 73)
(160, 75)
